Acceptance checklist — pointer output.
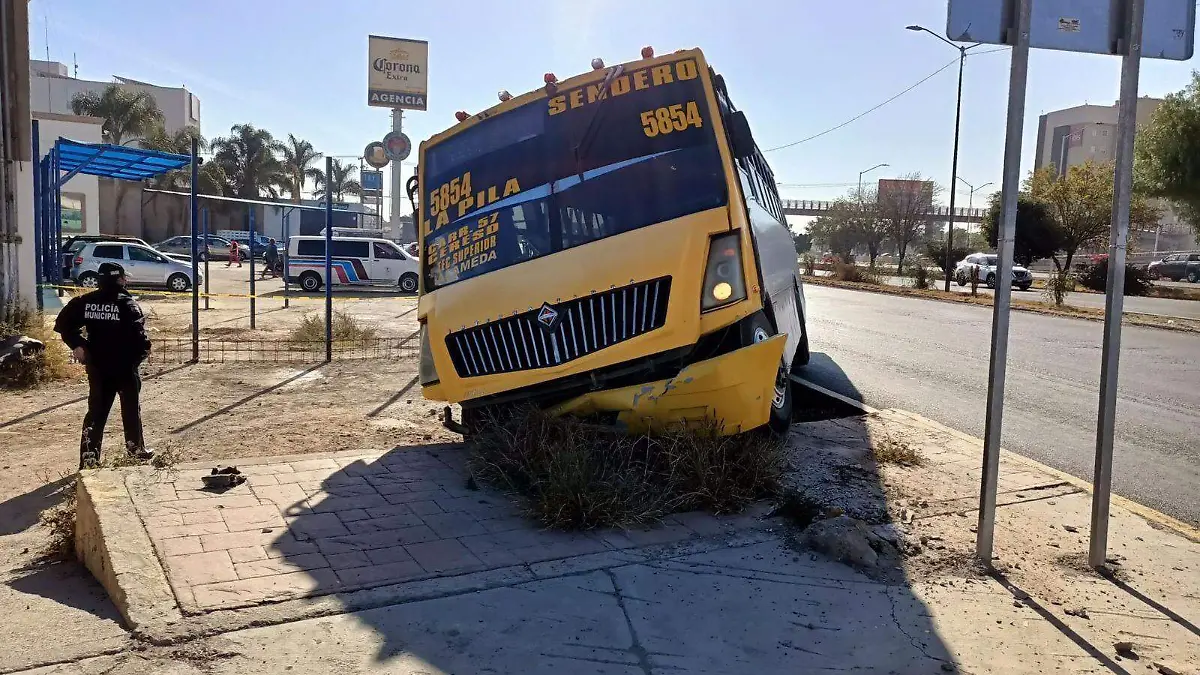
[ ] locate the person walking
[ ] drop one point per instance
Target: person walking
(114, 345)
(235, 254)
(270, 259)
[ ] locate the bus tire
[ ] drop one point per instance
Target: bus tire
(408, 282)
(758, 329)
(310, 281)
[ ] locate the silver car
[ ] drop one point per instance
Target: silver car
(143, 266)
(217, 249)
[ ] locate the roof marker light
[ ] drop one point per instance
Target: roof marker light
(504, 95)
(461, 116)
(647, 52)
(597, 63)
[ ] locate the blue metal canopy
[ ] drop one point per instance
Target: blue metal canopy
(115, 161)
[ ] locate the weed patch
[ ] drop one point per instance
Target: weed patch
(843, 271)
(52, 363)
(346, 329)
(60, 521)
(900, 453)
(577, 475)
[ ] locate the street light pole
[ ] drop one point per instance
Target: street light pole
(971, 199)
(860, 175)
(962, 57)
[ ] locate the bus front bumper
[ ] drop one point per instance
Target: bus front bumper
(735, 388)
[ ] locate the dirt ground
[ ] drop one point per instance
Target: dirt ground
(194, 412)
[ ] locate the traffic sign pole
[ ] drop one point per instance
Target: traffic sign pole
(1115, 292)
(1017, 78)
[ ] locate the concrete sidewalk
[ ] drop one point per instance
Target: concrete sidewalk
(388, 563)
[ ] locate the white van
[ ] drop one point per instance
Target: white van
(355, 260)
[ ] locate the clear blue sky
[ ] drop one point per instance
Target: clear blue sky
(797, 68)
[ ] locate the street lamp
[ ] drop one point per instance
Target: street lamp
(971, 200)
(962, 57)
(860, 175)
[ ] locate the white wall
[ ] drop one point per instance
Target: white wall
(53, 94)
(85, 130)
(26, 281)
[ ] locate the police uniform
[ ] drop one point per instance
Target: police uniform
(111, 328)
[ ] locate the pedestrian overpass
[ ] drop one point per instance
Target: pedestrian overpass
(814, 207)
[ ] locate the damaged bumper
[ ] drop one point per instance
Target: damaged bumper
(736, 388)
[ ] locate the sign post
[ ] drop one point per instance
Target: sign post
(1115, 298)
(998, 364)
(397, 78)
(1101, 27)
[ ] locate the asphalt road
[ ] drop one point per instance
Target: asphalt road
(931, 358)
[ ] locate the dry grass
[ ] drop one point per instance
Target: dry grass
(853, 273)
(900, 453)
(60, 521)
(575, 475)
(54, 363)
(346, 329)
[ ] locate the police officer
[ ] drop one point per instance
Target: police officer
(106, 331)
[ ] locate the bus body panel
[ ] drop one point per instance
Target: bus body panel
(736, 386)
(675, 248)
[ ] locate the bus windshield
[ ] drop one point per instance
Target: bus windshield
(526, 183)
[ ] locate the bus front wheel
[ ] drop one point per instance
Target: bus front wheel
(758, 329)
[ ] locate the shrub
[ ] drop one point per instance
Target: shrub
(936, 251)
(920, 276)
(808, 264)
(346, 328)
(1058, 286)
(53, 363)
(1094, 276)
(577, 475)
(850, 272)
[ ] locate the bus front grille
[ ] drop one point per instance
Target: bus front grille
(581, 326)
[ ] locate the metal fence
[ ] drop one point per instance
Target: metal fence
(167, 351)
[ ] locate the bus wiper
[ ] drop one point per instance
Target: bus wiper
(585, 141)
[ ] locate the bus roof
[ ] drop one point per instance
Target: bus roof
(540, 92)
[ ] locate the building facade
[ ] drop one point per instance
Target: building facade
(51, 89)
(1073, 136)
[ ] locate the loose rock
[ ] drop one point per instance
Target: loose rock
(846, 540)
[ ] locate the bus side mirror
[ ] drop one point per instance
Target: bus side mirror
(740, 136)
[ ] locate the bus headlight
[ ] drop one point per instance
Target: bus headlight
(426, 369)
(723, 280)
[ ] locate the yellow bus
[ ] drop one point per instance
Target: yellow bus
(610, 246)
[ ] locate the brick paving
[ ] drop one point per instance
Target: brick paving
(324, 525)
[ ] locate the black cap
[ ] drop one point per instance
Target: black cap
(110, 270)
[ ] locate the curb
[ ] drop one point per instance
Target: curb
(111, 542)
(885, 289)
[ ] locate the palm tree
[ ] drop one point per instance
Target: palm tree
(343, 181)
(247, 157)
(127, 114)
(298, 159)
(180, 143)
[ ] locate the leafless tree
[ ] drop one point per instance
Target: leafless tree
(904, 208)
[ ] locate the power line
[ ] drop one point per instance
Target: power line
(877, 107)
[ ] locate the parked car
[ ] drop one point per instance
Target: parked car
(1175, 267)
(986, 267)
(217, 249)
(143, 266)
(356, 260)
(72, 245)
